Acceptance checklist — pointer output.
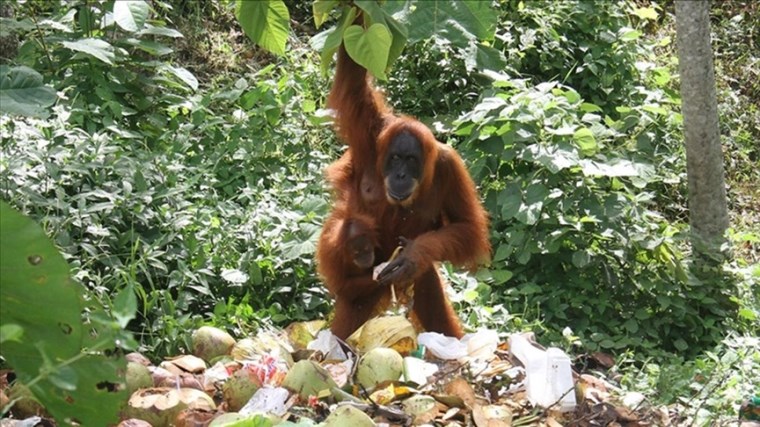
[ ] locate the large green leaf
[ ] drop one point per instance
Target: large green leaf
(554, 158)
(586, 141)
(534, 197)
(100, 49)
(369, 48)
(149, 46)
(266, 23)
(510, 200)
(52, 353)
(378, 15)
(22, 92)
(456, 21)
(159, 31)
(482, 57)
(329, 41)
(131, 15)
(184, 75)
(611, 168)
(321, 9)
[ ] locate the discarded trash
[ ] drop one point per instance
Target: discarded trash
(328, 344)
(443, 347)
(481, 344)
(271, 400)
(750, 409)
(549, 377)
(417, 370)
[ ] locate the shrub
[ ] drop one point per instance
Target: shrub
(576, 233)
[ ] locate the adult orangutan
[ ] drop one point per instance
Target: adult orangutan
(413, 188)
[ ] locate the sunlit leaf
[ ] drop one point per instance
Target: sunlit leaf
(585, 140)
(378, 15)
(747, 314)
(11, 332)
(160, 31)
(619, 167)
(183, 75)
(97, 48)
(130, 15)
(233, 275)
(321, 10)
(629, 34)
(266, 23)
(553, 158)
(369, 48)
(646, 13)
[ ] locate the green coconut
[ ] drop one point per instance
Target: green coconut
(210, 343)
(348, 416)
(239, 389)
(138, 376)
(308, 378)
(378, 365)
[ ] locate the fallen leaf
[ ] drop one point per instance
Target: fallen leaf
(491, 416)
(461, 388)
(603, 359)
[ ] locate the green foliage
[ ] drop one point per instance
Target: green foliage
(58, 357)
(23, 92)
(370, 46)
(587, 45)
(707, 390)
(574, 228)
(131, 15)
(735, 34)
(586, 194)
(385, 29)
(458, 22)
(433, 81)
(206, 198)
(267, 23)
(197, 202)
(111, 72)
(214, 212)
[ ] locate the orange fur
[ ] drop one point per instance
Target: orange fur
(444, 220)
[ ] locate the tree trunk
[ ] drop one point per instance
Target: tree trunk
(8, 43)
(704, 158)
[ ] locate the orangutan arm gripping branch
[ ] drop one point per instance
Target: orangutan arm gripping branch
(360, 109)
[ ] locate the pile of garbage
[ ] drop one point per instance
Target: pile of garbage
(384, 374)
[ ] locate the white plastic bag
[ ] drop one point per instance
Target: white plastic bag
(443, 347)
(328, 344)
(270, 400)
(482, 344)
(549, 377)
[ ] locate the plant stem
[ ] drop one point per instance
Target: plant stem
(46, 372)
(42, 40)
